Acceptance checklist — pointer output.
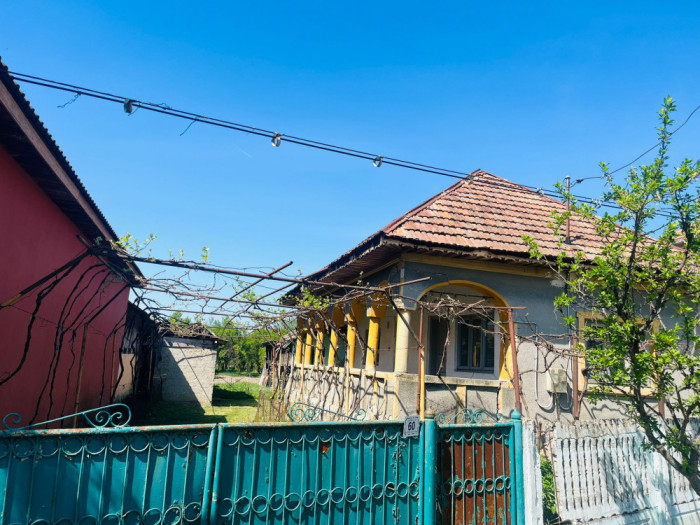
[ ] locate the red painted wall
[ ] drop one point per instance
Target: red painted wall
(35, 239)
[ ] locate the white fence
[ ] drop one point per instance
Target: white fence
(532, 475)
(603, 474)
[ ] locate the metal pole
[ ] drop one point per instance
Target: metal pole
(204, 268)
(514, 354)
(519, 481)
(421, 369)
(211, 477)
(430, 461)
(568, 209)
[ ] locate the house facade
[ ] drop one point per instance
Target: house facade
(465, 293)
(62, 309)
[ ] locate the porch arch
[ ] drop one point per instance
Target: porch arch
(505, 355)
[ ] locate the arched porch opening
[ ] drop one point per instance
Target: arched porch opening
(465, 331)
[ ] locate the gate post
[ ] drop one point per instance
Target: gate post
(209, 475)
(519, 488)
(430, 459)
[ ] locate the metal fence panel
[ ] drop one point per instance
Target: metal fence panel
(125, 475)
(477, 474)
(316, 473)
(476, 479)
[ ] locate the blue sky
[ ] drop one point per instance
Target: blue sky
(528, 91)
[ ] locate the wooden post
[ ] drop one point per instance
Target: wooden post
(575, 388)
(298, 358)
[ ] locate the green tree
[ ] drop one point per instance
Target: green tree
(242, 350)
(645, 289)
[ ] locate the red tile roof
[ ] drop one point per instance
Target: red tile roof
(486, 212)
(480, 216)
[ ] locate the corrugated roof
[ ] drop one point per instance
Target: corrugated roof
(15, 140)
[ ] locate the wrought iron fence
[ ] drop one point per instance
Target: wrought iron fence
(476, 458)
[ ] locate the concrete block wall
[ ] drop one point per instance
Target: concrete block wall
(186, 370)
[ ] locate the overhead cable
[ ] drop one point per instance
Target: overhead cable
(130, 105)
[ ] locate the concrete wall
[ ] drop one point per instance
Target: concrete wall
(186, 370)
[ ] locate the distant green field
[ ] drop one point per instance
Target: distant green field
(234, 402)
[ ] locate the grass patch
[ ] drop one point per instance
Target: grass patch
(234, 402)
(237, 374)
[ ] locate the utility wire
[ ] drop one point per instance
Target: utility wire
(276, 138)
(578, 181)
(130, 105)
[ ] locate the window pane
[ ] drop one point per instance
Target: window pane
(463, 347)
(475, 349)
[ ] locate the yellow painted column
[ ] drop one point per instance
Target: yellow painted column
(337, 321)
(300, 341)
(320, 332)
(308, 348)
(354, 316)
(372, 344)
(506, 372)
(376, 313)
(403, 341)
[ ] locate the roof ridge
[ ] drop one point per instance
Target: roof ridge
(520, 186)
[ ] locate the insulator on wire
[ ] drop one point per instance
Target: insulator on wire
(128, 106)
(377, 162)
(276, 140)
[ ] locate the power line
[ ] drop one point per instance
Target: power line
(276, 138)
(130, 105)
(578, 181)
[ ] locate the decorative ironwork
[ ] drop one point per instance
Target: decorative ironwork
(299, 412)
(109, 416)
(335, 472)
(467, 416)
(476, 474)
(317, 473)
(105, 475)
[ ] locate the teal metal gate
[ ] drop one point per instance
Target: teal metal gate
(122, 475)
(314, 472)
(479, 480)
